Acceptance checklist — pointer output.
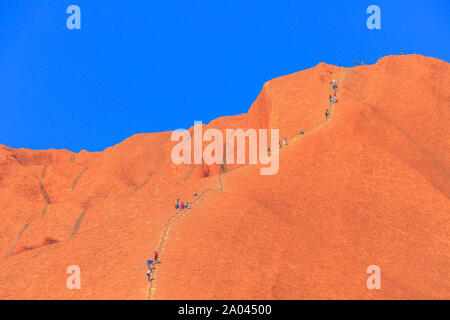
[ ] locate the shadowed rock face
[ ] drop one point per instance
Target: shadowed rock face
(369, 186)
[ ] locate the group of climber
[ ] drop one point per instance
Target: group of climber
(333, 97)
(181, 205)
(334, 86)
(150, 264)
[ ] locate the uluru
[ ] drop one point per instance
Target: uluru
(367, 184)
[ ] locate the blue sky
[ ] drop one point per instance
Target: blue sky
(148, 66)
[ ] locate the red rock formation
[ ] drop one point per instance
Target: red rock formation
(370, 186)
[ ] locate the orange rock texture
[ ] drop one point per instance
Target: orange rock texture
(367, 186)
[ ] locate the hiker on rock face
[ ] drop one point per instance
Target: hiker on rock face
(326, 113)
(188, 205)
(156, 256)
(182, 205)
(268, 151)
(301, 132)
(285, 141)
(177, 205)
(334, 86)
(149, 272)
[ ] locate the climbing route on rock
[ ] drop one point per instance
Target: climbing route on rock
(170, 223)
